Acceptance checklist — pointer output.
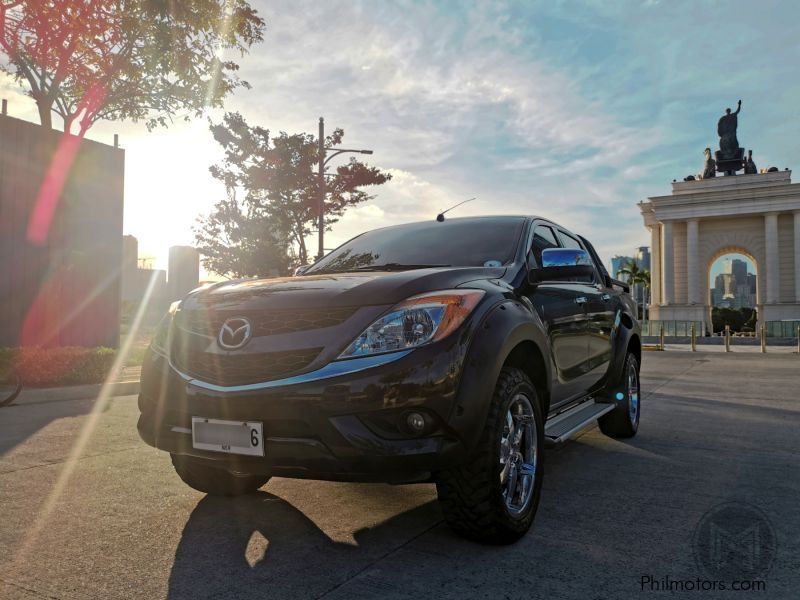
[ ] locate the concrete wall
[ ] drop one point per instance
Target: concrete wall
(786, 257)
(64, 289)
(679, 247)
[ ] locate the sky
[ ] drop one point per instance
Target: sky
(572, 111)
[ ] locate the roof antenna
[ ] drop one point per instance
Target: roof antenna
(440, 216)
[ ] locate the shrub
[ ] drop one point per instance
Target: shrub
(67, 365)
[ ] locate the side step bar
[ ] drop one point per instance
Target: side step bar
(563, 426)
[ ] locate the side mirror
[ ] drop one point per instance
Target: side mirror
(562, 264)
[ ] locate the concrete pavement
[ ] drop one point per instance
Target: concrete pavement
(126, 383)
(112, 520)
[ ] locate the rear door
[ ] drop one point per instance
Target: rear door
(601, 309)
(561, 306)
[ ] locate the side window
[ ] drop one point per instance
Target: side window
(543, 237)
(570, 242)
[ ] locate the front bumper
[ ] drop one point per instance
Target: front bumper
(323, 425)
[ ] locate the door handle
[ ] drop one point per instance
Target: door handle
(606, 297)
(580, 300)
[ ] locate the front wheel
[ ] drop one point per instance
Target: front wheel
(493, 498)
(215, 481)
(623, 421)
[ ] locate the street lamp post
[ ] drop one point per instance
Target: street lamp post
(321, 176)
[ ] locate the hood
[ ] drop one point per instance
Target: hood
(336, 290)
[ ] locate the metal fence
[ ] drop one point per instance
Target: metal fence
(671, 328)
(783, 329)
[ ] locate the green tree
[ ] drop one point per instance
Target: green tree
(737, 318)
(752, 320)
(636, 277)
(237, 243)
(275, 178)
(143, 60)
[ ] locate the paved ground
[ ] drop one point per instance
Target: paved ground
(115, 522)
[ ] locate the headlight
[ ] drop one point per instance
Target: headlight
(417, 321)
(160, 341)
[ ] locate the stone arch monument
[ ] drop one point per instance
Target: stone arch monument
(757, 215)
(705, 217)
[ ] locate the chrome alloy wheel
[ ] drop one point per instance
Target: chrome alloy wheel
(518, 455)
(633, 394)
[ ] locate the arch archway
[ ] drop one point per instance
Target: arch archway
(736, 301)
(755, 215)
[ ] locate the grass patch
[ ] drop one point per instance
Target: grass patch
(66, 365)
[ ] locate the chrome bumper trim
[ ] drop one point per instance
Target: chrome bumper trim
(334, 369)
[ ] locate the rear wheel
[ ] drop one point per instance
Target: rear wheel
(216, 481)
(623, 421)
(493, 498)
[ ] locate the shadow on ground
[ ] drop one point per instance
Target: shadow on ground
(262, 545)
(19, 422)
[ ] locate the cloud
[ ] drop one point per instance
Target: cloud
(573, 113)
(450, 101)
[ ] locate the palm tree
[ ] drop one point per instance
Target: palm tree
(644, 279)
(636, 276)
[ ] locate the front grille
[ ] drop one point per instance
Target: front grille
(265, 322)
(240, 369)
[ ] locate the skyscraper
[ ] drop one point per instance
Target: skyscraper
(617, 263)
(734, 287)
(739, 271)
(643, 257)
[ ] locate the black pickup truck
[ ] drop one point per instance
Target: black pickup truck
(448, 352)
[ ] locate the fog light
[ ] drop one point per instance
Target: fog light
(415, 422)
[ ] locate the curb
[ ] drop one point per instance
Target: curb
(74, 392)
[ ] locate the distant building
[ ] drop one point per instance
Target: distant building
(643, 257)
(751, 282)
(618, 263)
(719, 284)
(734, 287)
(739, 271)
(184, 271)
(158, 286)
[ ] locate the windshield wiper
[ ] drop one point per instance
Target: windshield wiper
(384, 267)
(396, 267)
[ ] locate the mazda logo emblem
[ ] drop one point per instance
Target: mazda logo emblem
(235, 333)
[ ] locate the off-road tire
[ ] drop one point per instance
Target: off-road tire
(618, 423)
(471, 496)
(214, 480)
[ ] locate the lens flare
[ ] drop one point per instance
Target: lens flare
(92, 420)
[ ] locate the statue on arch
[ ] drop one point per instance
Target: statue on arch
(749, 166)
(710, 168)
(726, 129)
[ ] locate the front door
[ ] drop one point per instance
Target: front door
(562, 308)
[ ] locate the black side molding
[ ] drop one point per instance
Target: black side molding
(625, 287)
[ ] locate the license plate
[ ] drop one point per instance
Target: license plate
(233, 437)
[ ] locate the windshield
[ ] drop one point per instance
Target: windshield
(483, 242)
